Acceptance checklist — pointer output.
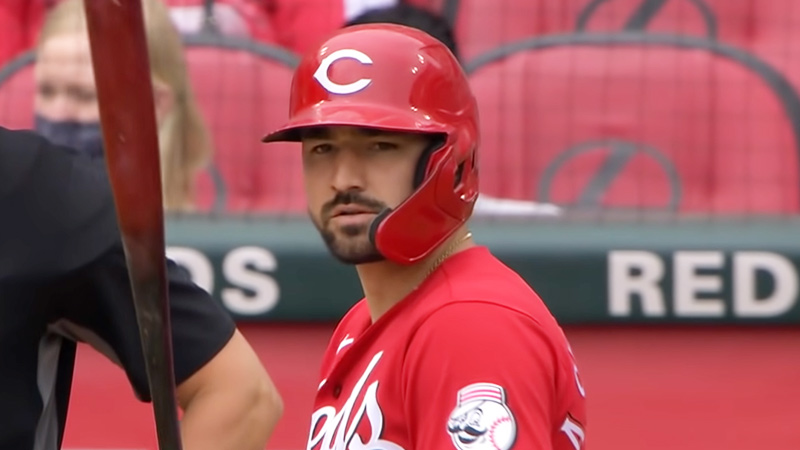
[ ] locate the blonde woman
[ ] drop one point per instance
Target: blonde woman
(66, 101)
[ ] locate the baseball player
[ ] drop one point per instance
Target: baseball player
(63, 279)
(449, 349)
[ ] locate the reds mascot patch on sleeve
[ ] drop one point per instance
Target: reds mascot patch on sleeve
(481, 419)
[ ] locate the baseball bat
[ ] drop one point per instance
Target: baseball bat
(127, 115)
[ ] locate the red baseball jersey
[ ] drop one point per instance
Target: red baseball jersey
(471, 360)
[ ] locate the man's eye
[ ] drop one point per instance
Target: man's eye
(385, 146)
(321, 149)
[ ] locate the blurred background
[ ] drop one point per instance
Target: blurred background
(640, 168)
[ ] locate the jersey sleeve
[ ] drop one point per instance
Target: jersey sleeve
(479, 375)
(106, 319)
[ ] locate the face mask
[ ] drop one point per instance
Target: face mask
(83, 137)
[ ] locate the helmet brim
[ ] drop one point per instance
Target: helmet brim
(365, 115)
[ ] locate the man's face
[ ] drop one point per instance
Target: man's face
(351, 175)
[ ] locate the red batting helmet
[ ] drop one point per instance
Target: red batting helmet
(392, 77)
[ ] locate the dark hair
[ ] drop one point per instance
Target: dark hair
(414, 17)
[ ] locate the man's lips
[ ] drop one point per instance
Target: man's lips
(349, 210)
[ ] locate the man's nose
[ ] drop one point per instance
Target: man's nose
(348, 172)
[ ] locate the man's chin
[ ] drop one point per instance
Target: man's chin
(350, 244)
(356, 249)
(357, 258)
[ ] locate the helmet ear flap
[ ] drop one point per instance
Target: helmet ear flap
(376, 222)
(470, 180)
(473, 164)
(437, 141)
(459, 173)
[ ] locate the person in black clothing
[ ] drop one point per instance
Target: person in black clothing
(63, 279)
(414, 17)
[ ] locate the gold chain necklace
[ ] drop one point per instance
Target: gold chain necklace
(447, 253)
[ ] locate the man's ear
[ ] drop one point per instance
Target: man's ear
(164, 98)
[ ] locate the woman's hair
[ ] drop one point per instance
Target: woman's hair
(185, 142)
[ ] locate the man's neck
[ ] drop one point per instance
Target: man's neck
(385, 283)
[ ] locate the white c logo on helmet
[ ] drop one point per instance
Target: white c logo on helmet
(321, 75)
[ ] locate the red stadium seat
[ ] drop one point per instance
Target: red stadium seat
(241, 18)
(768, 29)
(243, 91)
(741, 23)
(19, 22)
(635, 120)
(17, 89)
(728, 21)
(750, 24)
(776, 36)
(481, 25)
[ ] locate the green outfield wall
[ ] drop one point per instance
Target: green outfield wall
(745, 273)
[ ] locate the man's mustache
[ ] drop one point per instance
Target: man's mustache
(352, 198)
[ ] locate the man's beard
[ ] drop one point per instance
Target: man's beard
(351, 244)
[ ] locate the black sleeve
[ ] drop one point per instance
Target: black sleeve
(106, 319)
